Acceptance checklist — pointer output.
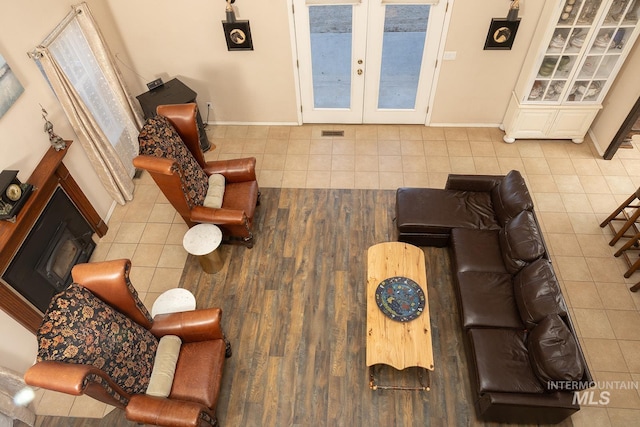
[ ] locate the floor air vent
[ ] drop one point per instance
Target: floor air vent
(332, 133)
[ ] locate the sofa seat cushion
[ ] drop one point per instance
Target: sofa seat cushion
(437, 211)
(487, 300)
(554, 352)
(241, 196)
(477, 250)
(537, 292)
(521, 241)
(199, 372)
(502, 361)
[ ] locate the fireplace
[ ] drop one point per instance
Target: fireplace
(60, 239)
(49, 177)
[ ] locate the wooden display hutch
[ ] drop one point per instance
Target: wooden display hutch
(578, 50)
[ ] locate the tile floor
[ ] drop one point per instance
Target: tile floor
(572, 186)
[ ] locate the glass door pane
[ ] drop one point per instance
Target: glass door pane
(404, 36)
(367, 61)
(331, 44)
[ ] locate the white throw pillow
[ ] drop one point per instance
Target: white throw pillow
(164, 366)
(215, 194)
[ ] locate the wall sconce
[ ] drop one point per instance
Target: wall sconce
(502, 32)
(237, 33)
(231, 15)
(512, 15)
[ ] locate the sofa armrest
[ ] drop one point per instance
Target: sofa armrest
(202, 214)
(159, 165)
(76, 379)
(190, 326)
(144, 409)
(587, 378)
(472, 182)
(234, 170)
(533, 409)
(63, 377)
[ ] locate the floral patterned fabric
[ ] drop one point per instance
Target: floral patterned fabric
(136, 298)
(160, 139)
(79, 327)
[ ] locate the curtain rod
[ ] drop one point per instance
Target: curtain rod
(34, 54)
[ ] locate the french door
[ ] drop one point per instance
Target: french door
(367, 61)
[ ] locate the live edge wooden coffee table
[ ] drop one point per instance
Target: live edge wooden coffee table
(402, 341)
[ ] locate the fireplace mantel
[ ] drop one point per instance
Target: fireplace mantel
(48, 175)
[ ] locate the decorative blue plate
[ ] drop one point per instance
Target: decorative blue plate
(400, 298)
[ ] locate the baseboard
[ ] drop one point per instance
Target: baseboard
(450, 125)
(110, 212)
(465, 125)
(233, 123)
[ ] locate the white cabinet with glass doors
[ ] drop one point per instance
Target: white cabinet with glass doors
(579, 48)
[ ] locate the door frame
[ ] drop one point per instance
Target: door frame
(439, 53)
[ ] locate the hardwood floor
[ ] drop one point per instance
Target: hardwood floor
(294, 310)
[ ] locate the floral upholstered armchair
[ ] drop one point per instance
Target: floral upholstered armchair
(223, 192)
(98, 339)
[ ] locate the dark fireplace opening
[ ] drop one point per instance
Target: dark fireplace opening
(63, 252)
(60, 239)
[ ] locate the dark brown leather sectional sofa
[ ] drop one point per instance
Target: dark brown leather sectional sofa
(525, 360)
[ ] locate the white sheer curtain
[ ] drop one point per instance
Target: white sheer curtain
(84, 77)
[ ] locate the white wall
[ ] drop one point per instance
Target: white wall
(166, 39)
(18, 347)
(476, 86)
(23, 141)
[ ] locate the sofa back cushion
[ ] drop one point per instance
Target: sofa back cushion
(79, 327)
(510, 197)
(159, 138)
(554, 352)
(537, 292)
(521, 241)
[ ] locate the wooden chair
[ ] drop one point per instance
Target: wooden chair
(630, 251)
(627, 213)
